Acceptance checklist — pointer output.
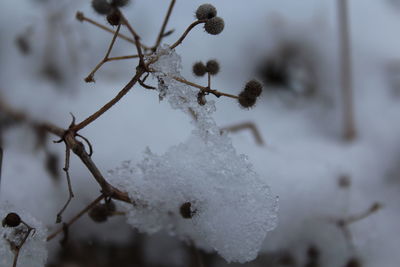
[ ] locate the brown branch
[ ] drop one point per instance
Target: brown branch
(81, 17)
(76, 217)
(122, 57)
(191, 26)
(164, 25)
(71, 194)
(19, 246)
(89, 78)
(111, 103)
(205, 89)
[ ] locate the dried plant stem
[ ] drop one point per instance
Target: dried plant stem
(76, 217)
(69, 138)
(164, 25)
(349, 129)
(137, 40)
(246, 125)
(81, 17)
(191, 26)
(122, 57)
(204, 89)
(89, 78)
(111, 103)
(71, 194)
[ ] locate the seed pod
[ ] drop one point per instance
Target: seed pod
(199, 69)
(114, 18)
(246, 100)
(206, 11)
(11, 220)
(212, 67)
(186, 210)
(214, 26)
(101, 6)
(99, 213)
(120, 3)
(254, 88)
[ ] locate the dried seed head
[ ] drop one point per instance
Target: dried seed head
(199, 69)
(101, 6)
(313, 252)
(201, 99)
(110, 206)
(206, 11)
(212, 67)
(11, 220)
(186, 210)
(254, 88)
(99, 213)
(246, 100)
(114, 18)
(214, 26)
(120, 3)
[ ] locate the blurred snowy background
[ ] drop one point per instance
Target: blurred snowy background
(320, 179)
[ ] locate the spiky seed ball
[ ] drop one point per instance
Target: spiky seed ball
(254, 88)
(101, 6)
(11, 220)
(212, 67)
(120, 3)
(206, 11)
(186, 210)
(114, 18)
(246, 100)
(214, 26)
(199, 69)
(99, 213)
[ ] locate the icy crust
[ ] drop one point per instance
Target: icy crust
(232, 207)
(34, 252)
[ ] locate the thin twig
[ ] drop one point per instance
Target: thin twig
(89, 78)
(76, 217)
(191, 26)
(204, 89)
(20, 245)
(137, 40)
(111, 103)
(81, 17)
(164, 25)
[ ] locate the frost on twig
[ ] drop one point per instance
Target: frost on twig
(231, 208)
(33, 252)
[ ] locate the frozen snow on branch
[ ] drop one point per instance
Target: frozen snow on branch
(200, 190)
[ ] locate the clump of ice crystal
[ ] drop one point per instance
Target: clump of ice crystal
(231, 207)
(33, 253)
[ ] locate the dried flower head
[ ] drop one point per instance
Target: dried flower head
(246, 100)
(114, 18)
(206, 11)
(101, 6)
(254, 88)
(120, 3)
(214, 25)
(99, 213)
(11, 220)
(212, 67)
(199, 69)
